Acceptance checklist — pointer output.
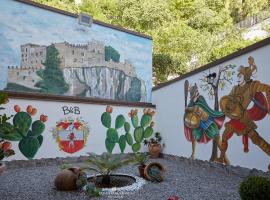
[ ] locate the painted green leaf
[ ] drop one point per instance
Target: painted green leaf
(29, 147)
(135, 120)
(37, 128)
(109, 145)
(120, 121)
(112, 135)
(40, 139)
(127, 127)
(122, 143)
(22, 121)
(138, 134)
(8, 132)
(136, 147)
(148, 132)
(146, 119)
(129, 138)
(106, 119)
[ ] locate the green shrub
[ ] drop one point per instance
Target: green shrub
(255, 188)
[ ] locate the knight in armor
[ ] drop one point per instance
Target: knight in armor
(201, 123)
(242, 118)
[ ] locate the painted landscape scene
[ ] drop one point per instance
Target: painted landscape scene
(71, 59)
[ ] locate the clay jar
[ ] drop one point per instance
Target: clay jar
(141, 170)
(66, 179)
(154, 150)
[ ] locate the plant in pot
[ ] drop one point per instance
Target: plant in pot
(141, 158)
(104, 164)
(5, 151)
(5, 146)
(154, 145)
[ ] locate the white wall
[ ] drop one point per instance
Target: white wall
(90, 113)
(169, 101)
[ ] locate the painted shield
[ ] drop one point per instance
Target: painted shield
(71, 134)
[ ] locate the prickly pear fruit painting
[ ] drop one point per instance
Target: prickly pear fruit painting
(142, 128)
(24, 130)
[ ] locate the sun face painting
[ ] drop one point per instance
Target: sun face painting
(47, 52)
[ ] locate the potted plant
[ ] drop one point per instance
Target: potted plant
(5, 151)
(154, 145)
(154, 172)
(141, 158)
(105, 163)
(5, 146)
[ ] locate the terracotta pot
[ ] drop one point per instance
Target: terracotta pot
(154, 150)
(147, 168)
(66, 179)
(2, 168)
(141, 170)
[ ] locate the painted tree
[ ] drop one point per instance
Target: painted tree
(211, 83)
(52, 76)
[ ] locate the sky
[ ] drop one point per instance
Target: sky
(21, 23)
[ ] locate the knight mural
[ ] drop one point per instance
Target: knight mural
(201, 123)
(235, 106)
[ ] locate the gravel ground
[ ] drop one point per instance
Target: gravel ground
(188, 179)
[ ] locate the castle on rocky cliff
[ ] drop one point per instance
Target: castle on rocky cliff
(91, 54)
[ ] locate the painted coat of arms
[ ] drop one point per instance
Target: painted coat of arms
(71, 134)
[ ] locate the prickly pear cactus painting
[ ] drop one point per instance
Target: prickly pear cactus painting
(24, 130)
(71, 134)
(143, 128)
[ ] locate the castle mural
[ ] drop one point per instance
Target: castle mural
(248, 101)
(71, 59)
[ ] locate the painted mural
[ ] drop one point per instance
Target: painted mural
(248, 101)
(23, 129)
(242, 118)
(46, 52)
(143, 128)
(71, 134)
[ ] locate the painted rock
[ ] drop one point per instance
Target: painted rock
(66, 179)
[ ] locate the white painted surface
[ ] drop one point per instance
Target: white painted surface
(170, 105)
(90, 113)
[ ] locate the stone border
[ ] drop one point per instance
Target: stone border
(228, 169)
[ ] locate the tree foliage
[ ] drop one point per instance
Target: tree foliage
(52, 76)
(111, 54)
(186, 33)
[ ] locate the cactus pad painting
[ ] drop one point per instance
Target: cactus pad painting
(71, 134)
(72, 59)
(142, 129)
(24, 130)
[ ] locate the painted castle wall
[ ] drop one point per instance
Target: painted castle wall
(88, 114)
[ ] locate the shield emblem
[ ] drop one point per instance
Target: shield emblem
(71, 134)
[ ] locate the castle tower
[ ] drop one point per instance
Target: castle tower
(33, 55)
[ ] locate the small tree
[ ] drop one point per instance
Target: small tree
(211, 83)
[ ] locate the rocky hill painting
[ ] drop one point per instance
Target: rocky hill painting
(46, 52)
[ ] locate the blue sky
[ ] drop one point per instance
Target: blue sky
(21, 23)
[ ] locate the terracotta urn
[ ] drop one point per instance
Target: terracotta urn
(154, 164)
(66, 179)
(154, 150)
(141, 170)
(2, 167)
